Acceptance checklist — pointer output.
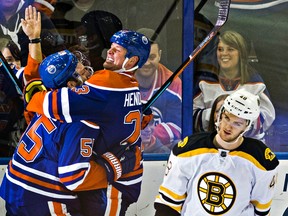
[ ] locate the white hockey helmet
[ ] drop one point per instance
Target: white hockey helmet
(243, 104)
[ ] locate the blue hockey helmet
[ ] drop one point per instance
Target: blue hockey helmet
(135, 43)
(57, 68)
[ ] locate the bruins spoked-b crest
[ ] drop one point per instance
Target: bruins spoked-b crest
(217, 193)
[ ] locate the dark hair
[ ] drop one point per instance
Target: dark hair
(9, 44)
(211, 125)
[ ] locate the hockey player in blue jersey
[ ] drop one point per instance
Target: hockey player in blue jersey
(52, 159)
(47, 168)
(100, 95)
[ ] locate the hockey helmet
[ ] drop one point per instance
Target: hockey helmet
(135, 43)
(57, 68)
(243, 104)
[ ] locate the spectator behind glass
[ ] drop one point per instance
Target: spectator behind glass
(168, 106)
(215, 110)
(11, 13)
(11, 52)
(12, 123)
(150, 143)
(234, 72)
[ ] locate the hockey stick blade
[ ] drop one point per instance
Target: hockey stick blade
(221, 20)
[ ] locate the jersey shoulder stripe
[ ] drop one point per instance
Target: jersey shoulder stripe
(260, 152)
(198, 142)
(112, 80)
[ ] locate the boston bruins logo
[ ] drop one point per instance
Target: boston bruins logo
(216, 192)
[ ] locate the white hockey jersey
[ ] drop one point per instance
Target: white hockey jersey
(208, 90)
(203, 180)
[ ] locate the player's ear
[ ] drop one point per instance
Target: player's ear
(71, 84)
(132, 62)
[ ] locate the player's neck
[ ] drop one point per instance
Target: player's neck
(220, 143)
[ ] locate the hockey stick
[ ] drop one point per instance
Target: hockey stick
(200, 6)
(8, 71)
(164, 20)
(222, 18)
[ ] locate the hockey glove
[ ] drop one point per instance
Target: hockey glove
(35, 85)
(146, 118)
(119, 161)
(111, 165)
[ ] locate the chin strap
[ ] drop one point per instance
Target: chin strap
(123, 67)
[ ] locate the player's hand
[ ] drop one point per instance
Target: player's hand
(31, 25)
(120, 161)
(146, 118)
(112, 166)
(35, 85)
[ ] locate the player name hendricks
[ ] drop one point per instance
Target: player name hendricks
(132, 99)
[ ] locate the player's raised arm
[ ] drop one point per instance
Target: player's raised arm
(31, 26)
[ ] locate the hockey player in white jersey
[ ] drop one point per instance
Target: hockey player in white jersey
(221, 173)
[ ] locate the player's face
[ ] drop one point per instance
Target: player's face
(228, 57)
(84, 71)
(115, 57)
(149, 68)
(231, 126)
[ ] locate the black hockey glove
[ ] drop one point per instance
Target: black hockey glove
(119, 161)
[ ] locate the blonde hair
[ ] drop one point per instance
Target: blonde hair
(237, 41)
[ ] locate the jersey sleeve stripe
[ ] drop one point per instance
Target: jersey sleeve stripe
(35, 181)
(54, 104)
(65, 105)
(261, 206)
(130, 182)
(71, 168)
(72, 177)
(176, 207)
(35, 172)
(46, 105)
(171, 194)
(39, 191)
(90, 124)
